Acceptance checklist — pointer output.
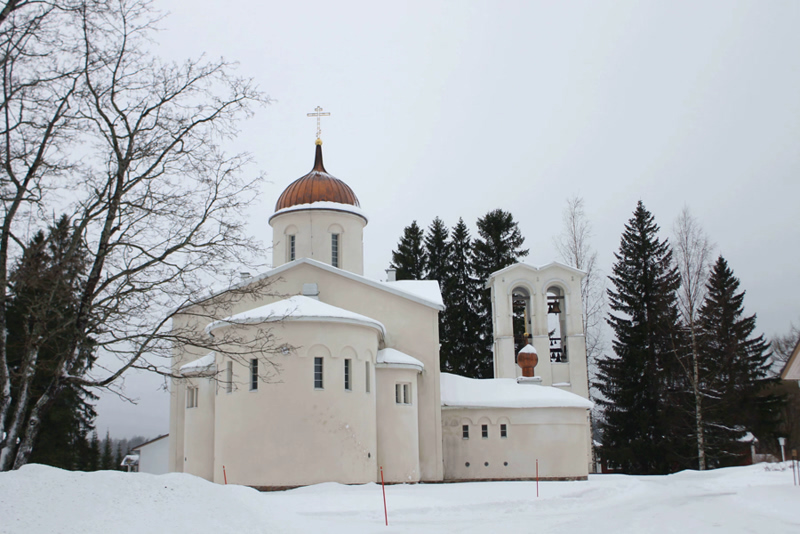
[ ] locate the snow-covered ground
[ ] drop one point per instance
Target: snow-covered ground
(38, 499)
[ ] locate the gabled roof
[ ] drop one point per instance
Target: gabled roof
(533, 268)
(149, 442)
(791, 371)
(298, 308)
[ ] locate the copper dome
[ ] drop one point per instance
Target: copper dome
(316, 186)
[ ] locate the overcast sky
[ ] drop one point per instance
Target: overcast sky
(452, 109)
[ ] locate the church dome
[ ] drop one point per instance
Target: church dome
(316, 186)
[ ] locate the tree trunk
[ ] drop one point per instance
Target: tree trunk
(21, 408)
(698, 403)
(32, 428)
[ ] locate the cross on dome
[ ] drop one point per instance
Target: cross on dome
(318, 113)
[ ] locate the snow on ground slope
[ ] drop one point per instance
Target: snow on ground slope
(38, 499)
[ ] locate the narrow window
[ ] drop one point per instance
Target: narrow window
(366, 376)
(191, 397)
(347, 384)
(229, 377)
(398, 393)
(253, 374)
(291, 248)
(335, 250)
(464, 431)
(406, 393)
(484, 431)
(317, 373)
(503, 431)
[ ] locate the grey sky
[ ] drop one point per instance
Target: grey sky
(457, 108)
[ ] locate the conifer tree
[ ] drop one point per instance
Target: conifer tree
(410, 259)
(736, 365)
(636, 383)
(94, 453)
(118, 457)
(461, 343)
(498, 246)
(107, 456)
(437, 251)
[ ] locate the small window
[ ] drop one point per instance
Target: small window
(335, 250)
(318, 373)
(291, 248)
(191, 396)
(503, 431)
(464, 431)
(366, 376)
(347, 383)
(485, 431)
(254, 374)
(402, 393)
(229, 377)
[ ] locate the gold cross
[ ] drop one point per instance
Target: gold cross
(318, 114)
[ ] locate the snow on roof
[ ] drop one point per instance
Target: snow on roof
(200, 365)
(130, 459)
(324, 205)
(297, 308)
(504, 393)
(427, 290)
(395, 358)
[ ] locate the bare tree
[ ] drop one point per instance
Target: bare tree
(693, 254)
(783, 346)
(136, 148)
(574, 248)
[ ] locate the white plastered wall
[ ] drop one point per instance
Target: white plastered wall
(198, 435)
(398, 438)
(557, 437)
(312, 230)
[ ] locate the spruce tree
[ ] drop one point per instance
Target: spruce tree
(735, 366)
(437, 251)
(637, 383)
(107, 456)
(498, 246)
(461, 343)
(118, 457)
(410, 259)
(94, 453)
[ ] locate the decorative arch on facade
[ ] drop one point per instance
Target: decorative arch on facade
(556, 291)
(318, 351)
(520, 294)
(290, 230)
(348, 352)
(335, 229)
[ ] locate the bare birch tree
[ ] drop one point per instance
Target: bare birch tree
(135, 146)
(692, 254)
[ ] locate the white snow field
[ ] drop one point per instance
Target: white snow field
(38, 499)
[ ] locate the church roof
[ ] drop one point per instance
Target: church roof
(316, 186)
(297, 308)
(533, 268)
(199, 366)
(462, 392)
(395, 358)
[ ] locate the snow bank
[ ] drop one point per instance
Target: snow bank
(504, 393)
(44, 500)
(297, 308)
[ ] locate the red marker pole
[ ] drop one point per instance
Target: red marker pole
(385, 512)
(224, 474)
(537, 477)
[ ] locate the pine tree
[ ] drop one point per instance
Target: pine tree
(498, 246)
(107, 456)
(45, 285)
(94, 453)
(462, 321)
(736, 365)
(638, 382)
(410, 259)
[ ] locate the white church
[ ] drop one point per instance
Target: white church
(357, 388)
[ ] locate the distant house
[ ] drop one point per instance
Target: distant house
(792, 369)
(153, 456)
(131, 462)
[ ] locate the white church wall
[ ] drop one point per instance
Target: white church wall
(398, 436)
(288, 433)
(312, 230)
(198, 435)
(557, 437)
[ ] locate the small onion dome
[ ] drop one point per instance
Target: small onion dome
(527, 359)
(316, 186)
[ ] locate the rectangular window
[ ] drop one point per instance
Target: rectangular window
(317, 373)
(229, 377)
(503, 431)
(191, 396)
(402, 393)
(291, 248)
(366, 376)
(464, 431)
(335, 250)
(253, 374)
(484, 431)
(347, 384)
